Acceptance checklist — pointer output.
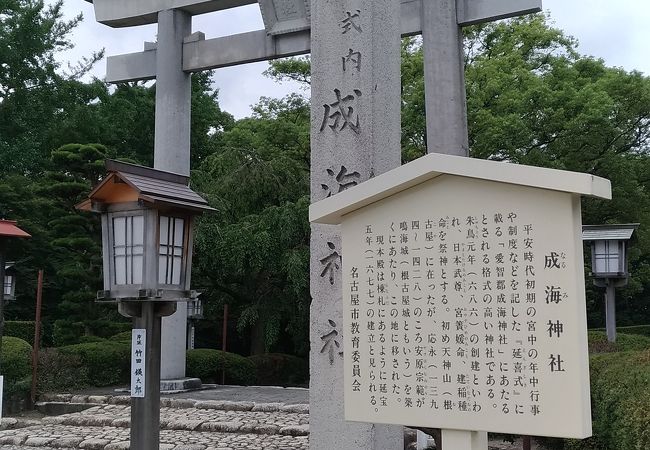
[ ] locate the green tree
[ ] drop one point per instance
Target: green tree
(533, 99)
(34, 91)
(253, 253)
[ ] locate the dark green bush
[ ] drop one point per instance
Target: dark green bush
(16, 359)
(66, 332)
(277, 369)
(16, 366)
(87, 339)
(643, 330)
(598, 342)
(207, 364)
(58, 373)
(108, 363)
(620, 402)
(107, 328)
(20, 329)
(124, 336)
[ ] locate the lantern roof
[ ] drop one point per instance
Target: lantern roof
(613, 232)
(132, 183)
(332, 209)
(8, 228)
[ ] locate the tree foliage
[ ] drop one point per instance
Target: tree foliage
(533, 99)
(253, 253)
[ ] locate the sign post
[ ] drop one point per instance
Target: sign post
(465, 300)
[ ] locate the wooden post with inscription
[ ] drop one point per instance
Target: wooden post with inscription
(464, 299)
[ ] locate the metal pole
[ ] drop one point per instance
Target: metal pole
(526, 442)
(37, 333)
(145, 412)
(610, 311)
(2, 295)
(224, 340)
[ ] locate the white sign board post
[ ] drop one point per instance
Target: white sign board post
(463, 299)
(138, 359)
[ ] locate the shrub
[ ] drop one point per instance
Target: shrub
(124, 336)
(108, 328)
(59, 372)
(20, 329)
(87, 339)
(67, 332)
(277, 369)
(620, 403)
(643, 330)
(207, 364)
(598, 342)
(16, 366)
(108, 363)
(16, 359)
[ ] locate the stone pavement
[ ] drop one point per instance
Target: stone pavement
(186, 424)
(212, 419)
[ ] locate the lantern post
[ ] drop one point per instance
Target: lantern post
(609, 264)
(147, 218)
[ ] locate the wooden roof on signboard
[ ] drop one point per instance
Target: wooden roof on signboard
(332, 209)
(132, 183)
(8, 228)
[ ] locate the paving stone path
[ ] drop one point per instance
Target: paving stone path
(185, 425)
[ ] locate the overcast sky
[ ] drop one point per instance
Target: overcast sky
(616, 30)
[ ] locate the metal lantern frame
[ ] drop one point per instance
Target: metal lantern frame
(147, 218)
(609, 248)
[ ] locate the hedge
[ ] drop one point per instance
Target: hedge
(620, 398)
(59, 372)
(277, 369)
(598, 342)
(107, 363)
(208, 364)
(67, 332)
(124, 336)
(643, 330)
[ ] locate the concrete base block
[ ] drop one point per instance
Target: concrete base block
(180, 384)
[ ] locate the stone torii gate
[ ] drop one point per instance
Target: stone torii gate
(294, 27)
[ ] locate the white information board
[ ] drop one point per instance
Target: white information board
(464, 308)
(138, 357)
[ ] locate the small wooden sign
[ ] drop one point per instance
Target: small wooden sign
(138, 358)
